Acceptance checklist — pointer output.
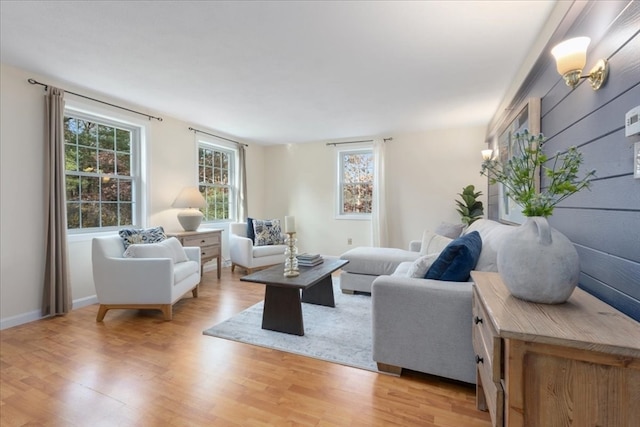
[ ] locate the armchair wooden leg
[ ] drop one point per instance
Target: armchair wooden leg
(194, 291)
(167, 311)
(233, 268)
(102, 310)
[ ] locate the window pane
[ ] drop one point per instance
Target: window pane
(217, 176)
(123, 140)
(70, 130)
(126, 216)
(109, 189)
(109, 214)
(106, 161)
(89, 188)
(73, 215)
(72, 184)
(87, 159)
(106, 137)
(124, 164)
(90, 213)
(208, 158)
(88, 135)
(225, 161)
(70, 157)
(125, 190)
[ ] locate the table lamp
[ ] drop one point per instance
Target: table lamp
(190, 199)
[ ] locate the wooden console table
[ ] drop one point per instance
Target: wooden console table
(576, 363)
(209, 241)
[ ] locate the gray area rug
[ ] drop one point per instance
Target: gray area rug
(340, 335)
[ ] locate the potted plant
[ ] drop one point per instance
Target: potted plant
(536, 262)
(469, 208)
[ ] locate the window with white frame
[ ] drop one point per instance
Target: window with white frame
(355, 182)
(102, 172)
(217, 181)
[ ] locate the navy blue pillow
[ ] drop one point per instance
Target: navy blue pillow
(251, 233)
(457, 260)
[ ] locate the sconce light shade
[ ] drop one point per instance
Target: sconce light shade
(191, 199)
(571, 57)
(487, 154)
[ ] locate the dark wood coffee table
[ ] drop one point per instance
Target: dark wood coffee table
(282, 301)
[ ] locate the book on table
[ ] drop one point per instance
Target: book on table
(309, 260)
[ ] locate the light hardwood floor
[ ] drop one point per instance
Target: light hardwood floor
(135, 369)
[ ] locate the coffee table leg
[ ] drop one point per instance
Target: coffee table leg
(321, 293)
(282, 310)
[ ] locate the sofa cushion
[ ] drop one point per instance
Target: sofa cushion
(142, 235)
(457, 260)
(376, 261)
(169, 248)
(183, 270)
(418, 268)
(433, 242)
(267, 232)
(262, 251)
(492, 234)
(447, 229)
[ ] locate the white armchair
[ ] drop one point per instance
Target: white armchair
(140, 283)
(243, 254)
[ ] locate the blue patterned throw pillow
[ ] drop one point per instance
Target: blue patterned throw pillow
(132, 236)
(267, 232)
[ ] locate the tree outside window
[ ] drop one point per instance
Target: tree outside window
(356, 182)
(98, 178)
(216, 181)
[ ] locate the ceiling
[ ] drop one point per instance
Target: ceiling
(284, 72)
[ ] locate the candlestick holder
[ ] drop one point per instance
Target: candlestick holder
(291, 260)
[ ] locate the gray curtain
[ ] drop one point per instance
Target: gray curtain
(242, 184)
(56, 298)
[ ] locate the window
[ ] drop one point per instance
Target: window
(101, 172)
(217, 181)
(355, 182)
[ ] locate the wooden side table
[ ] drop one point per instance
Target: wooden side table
(209, 241)
(575, 363)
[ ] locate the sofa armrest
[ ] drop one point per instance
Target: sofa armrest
(133, 280)
(415, 245)
(240, 250)
(423, 325)
(193, 253)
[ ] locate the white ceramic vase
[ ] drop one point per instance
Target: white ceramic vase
(539, 264)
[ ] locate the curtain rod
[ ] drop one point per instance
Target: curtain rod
(217, 136)
(46, 86)
(355, 142)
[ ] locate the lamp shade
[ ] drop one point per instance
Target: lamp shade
(189, 197)
(571, 55)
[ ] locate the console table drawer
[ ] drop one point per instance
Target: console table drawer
(486, 342)
(202, 241)
(210, 252)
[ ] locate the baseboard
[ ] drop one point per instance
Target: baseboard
(32, 316)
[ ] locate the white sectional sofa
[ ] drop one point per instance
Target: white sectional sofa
(422, 324)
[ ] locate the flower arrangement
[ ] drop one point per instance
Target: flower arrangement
(518, 175)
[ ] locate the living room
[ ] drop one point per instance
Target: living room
(427, 168)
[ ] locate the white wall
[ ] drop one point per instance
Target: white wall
(425, 172)
(170, 161)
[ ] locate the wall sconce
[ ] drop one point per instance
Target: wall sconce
(571, 57)
(487, 154)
